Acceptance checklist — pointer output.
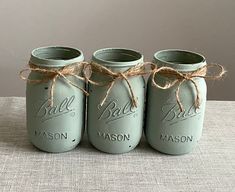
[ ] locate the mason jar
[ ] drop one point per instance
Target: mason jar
(169, 129)
(115, 126)
(57, 127)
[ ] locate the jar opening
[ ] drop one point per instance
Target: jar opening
(180, 60)
(179, 57)
(113, 56)
(55, 56)
(56, 53)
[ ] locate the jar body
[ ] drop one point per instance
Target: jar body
(168, 129)
(116, 126)
(56, 128)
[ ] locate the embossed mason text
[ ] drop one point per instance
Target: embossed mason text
(114, 137)
(51, 136)
(176, 139)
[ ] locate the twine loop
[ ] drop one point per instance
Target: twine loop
(137, 70)
(176, 77)
(83, 70)
(52, 74)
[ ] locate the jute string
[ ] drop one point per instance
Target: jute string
(52, 74)
(137, 70)
(180, 78)
(174, 77)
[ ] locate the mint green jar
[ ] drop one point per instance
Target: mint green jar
(116, 126)
(168, 129)
(59, 127)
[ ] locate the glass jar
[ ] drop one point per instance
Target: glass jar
(115, 126)
(168, 129)
(57, 127)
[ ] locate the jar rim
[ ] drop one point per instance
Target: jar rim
(179, 59)
(55, 56)
(117, 57)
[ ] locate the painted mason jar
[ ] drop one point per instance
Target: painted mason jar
(57, 127)
(115, 126)
(169, 129)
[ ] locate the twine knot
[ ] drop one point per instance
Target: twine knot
(176, 77)
(137, 70)
(52, 74)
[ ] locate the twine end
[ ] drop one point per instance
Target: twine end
(50, 102)
(86, 93)
(182, 109)
(197, 104)
(102, 103)
(134, 103)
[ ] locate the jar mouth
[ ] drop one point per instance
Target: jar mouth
(117, 57)
(55, 56)
(182, 60)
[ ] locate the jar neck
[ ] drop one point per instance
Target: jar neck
(55, 57)
(180, 60)
(117, 57)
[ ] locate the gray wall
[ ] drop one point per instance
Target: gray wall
(204, 26)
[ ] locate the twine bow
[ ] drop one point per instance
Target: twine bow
(180, 78)
(137, 70)
(52, 74)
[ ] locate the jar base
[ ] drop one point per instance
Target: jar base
(112, 153)
(55, 151)
(170, 153)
